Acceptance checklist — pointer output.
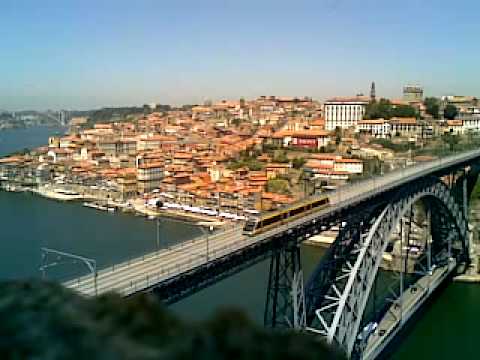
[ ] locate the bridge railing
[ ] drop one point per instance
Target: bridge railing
(151, 255)
(350, 193)
(177, 269)
(141, 282)
(364, 189)
(86, 281)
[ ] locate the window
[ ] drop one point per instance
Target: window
(272, 220)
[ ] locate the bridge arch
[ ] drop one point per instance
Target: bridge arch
(338, 309)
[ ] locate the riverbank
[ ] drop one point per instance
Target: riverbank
(137, 207)
(13, 140)
(198, 219)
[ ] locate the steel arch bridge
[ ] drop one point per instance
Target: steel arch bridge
(336, 294)
(335, 300)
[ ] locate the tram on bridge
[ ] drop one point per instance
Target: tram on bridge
(257, 225)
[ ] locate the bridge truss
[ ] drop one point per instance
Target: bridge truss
(339, 289)
(336, 299)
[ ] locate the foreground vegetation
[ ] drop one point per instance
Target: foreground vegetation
(45, 321)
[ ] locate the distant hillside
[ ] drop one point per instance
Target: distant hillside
(115, 114)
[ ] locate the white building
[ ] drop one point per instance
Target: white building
(470, 119)
(379, 128)
(344, 112)
(351, 166)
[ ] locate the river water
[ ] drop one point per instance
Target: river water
(445, 329)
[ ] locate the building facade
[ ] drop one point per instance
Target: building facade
(379, 128)
(311, 139)
(149, 176)
(406, 127)
(344, 112)
(413, 93)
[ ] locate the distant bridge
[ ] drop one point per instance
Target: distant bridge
(335, 302)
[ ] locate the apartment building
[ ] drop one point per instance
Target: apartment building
(311, 139)
(470, 118)
(406, 127)
(379, 128)
(127, 184)
(149, 176)
(344, 112)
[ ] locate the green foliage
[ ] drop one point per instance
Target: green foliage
(450, 112)
(298, 162)
(378, 109)
(46, 321)
(476, 191)
(451, 140)
(119, 114)
(248, 158)
(281, 157)
(338, 135)
(383, 109)
(279, 186)
(404, 111)
(432, 107)
(387, 144)
(251, 164)
(236, 121)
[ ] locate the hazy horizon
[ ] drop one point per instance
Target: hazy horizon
(92, 54)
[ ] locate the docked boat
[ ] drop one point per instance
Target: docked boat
(90, 205)
(94, 205)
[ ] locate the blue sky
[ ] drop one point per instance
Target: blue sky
(91, 53)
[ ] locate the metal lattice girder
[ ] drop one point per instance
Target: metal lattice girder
(346, 298)
(284, 266)
(336, 263)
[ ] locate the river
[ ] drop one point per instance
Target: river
(444, 330)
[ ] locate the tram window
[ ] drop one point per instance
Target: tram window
(298, 210)
(272, 220)
(320, 202)
(250, 226)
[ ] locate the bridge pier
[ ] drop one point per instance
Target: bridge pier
(285, 267)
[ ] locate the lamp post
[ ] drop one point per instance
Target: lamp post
(158, 234)
(207, 244)
(210, 230)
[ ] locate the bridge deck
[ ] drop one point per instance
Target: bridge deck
(145, 271)
(137, 274)
(396, 316)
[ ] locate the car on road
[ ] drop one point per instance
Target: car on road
(368, 330)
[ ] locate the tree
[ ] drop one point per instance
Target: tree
(338, 135)
(450, 112)
(450, 139)
(378, 110)
(281, 157)
(298, 162)
(432, 107)
(279, 186)
(404, 111)
(47, 321)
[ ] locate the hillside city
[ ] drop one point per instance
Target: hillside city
(228, 159)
